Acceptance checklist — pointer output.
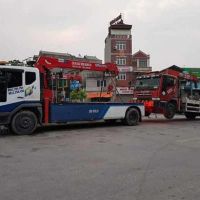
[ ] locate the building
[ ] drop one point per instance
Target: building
(67, 56)
(118, 49)
(3, 62)
(140, 63)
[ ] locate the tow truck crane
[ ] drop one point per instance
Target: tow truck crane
(29, 96)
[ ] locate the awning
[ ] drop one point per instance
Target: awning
(91, 95)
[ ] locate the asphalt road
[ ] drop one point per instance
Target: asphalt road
(157, 160)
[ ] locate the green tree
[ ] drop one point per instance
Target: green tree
(78, 94)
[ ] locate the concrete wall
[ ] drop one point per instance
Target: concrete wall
(107, 50)
(91, 84)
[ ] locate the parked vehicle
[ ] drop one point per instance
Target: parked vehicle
(169, 91)
(41, 95)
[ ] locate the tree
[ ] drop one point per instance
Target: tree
(78, 95)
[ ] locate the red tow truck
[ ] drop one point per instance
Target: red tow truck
(168, 92)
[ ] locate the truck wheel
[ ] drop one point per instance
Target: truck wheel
(190, 116)
(132, 117)
(170, 111)
(24, 123)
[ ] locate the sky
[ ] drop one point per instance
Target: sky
(168, 30)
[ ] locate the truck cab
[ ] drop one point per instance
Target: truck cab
(19, 93)
(167, 92)
(155, 90)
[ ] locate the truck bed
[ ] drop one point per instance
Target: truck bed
(69, 112)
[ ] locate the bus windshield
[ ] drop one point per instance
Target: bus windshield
(147, 83)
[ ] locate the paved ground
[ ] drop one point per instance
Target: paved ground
(157, 160)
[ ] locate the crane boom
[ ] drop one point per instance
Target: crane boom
(44, 63)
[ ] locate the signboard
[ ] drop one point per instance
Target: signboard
(74, 85)
(193, 71)
(125, 69)
(124, 90)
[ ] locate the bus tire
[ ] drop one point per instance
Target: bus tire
(24, 123)
(132, 117)
(170, 111)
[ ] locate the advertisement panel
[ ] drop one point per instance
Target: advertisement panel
(124, 90)
(125, 68)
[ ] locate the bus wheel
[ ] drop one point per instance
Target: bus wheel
(132, 117)
(190, 116)
(170, 111)
(24, 123)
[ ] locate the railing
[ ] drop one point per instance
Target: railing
(143, 69)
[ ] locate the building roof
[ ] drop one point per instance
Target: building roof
(54, 53)
(121, 25)
(68, 56)
(140, 54)
(91, 57)
(3, 62)
(118, 23)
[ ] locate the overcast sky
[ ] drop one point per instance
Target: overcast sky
(168, 30)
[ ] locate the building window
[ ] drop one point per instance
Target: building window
(120, 45)
(143, 63)
(121, 76)
(121, 61)
(101, 83)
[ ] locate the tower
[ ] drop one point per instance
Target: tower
(118, 49)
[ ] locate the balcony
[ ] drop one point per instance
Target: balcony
(143, 69)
